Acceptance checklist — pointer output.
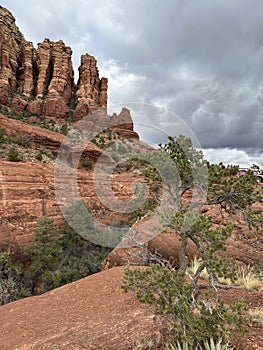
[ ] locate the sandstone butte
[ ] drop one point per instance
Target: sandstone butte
(91, 313)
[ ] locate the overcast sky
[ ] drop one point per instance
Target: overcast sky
(200, 60)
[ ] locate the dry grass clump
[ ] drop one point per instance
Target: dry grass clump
(256, 315)
(247, 277)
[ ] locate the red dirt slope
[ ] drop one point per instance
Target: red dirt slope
(92, 313)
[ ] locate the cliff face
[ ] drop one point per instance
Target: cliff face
(27, 188)
(41, 80)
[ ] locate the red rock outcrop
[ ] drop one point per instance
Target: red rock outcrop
(244, 246)
(165, 244)
(28, 79)
(42, 80)
(99, 121)
(44, 138)
(91, 90)
(122, 121)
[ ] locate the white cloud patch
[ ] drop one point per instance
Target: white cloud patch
(232, 157)
(123, 85)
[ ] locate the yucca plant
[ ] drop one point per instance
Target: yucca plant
(208, 345)
(212, 345)
(178, 346)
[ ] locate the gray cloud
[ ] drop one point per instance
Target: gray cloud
(202, 60)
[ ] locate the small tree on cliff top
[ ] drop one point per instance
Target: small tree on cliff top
(194, 309)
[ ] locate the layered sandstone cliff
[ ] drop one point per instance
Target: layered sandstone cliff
(27, 188)
(41, 80)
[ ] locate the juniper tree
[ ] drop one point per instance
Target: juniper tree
(192, 306)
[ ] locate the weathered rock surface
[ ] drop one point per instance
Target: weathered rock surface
(27, 192)
(92, 313)
(122, 121)
(165, 244)
(42, 80)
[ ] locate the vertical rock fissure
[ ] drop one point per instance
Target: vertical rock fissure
(49, 75)
(35, 72)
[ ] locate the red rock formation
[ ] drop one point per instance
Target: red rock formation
(55, 79)
(42, 80)
(166, 244)
(11, 42)
(99, 121)
(91, 90)
(122, 121)
(43, 55)
(123, 124)
(44, 138)
(27, 189)
(27, 86)
(103, 96)
(27, 192)
(18, 104)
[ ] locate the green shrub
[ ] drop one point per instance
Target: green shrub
(39, 156)
(193, 321)
(2, 132)
(13, 155)
(60, 256)
(87, 163)
(11, 277)
(2, 135)
(100, 142)
(24, 140)
(43, 151)
(64, 129)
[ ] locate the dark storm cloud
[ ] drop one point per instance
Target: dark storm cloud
(202, 60)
